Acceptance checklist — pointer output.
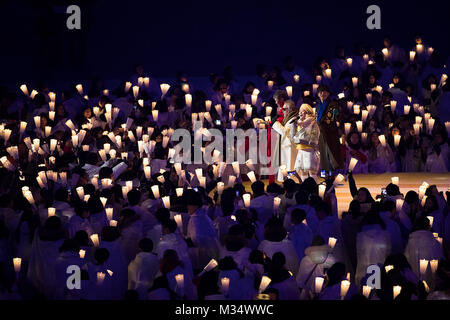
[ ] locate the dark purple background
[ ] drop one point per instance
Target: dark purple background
(198, 37)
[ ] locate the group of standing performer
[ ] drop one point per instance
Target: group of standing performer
(308, 139)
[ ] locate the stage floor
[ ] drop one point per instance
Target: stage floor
(374, 182)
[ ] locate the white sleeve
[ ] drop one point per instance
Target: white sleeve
(278, 127)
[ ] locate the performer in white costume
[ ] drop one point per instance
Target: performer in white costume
(287, 147)
(306, 137)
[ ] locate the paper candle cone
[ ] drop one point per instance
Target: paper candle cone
(366, 291)
(166, 202)
(345, 285)
(251, 176)
(423, 265)
(225, 283)
(147, 172)
(349, 62)
(179, 220)
(180, 280)
(397, 140)
(396, 291)
(276, 203)
(246, 198)
(431, 218)
(109, 213)
(395, 180)
(188, 100)
(100, 278)
(82, 253)
(17, 264)
(155, 190)
(265, 281)
(211, 265)
(79, 88)
(220, 187)
(352, 164)
(51, 211)
(289, 91)
(113, 223)
(339, 178)
(318, 283)
(434, 265)
(347, 127)
(332, 242)
(95, 240)
(231, 180)
(322, 189)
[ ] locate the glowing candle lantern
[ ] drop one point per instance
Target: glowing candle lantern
(166, 202)
(397, 140)
(135, 91)
(95, 240)
(251, 176)
(188, 99)
(155, 190)
(396, 291)
(395, 180)
(347, 127)
(220, 187)
(164, 88)
(79, 88)
(332, 242)
(17, 262)
(352, 164)
(179, 220)
(51, 211)
(276, 203)
(24, 89)
(322, 189)
(345, 285)
(289, 91)
(382, 139)
(366, 291)
(265, 281)
(318, 284)
(423, 265)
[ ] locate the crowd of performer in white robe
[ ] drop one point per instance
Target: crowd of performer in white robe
(88, 181)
